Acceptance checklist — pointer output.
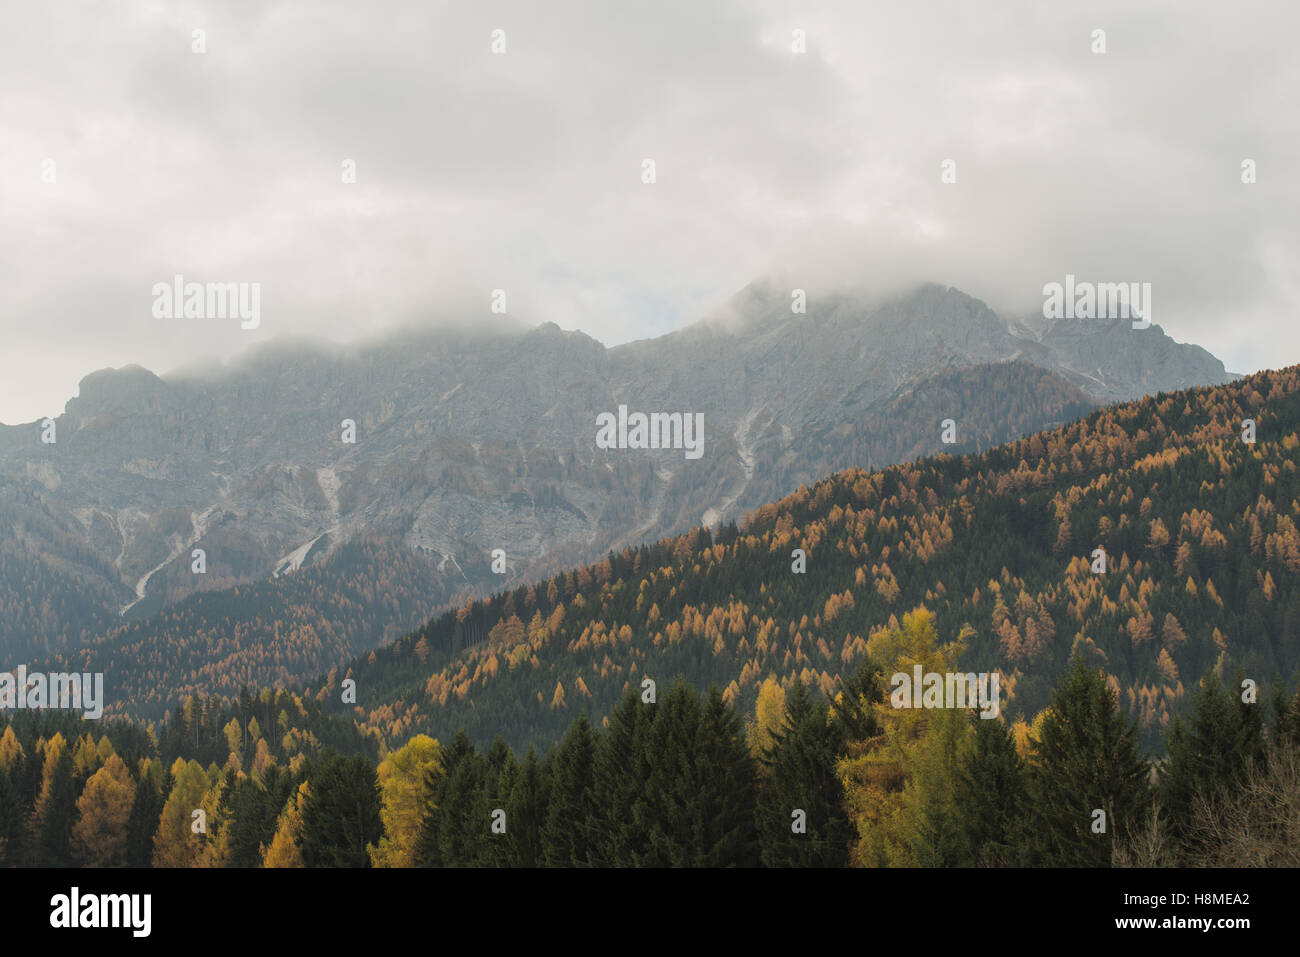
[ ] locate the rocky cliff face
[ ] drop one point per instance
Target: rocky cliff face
(470, 441)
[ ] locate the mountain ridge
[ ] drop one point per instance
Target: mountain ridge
(480, 438)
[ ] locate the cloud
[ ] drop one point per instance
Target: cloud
(522, 171)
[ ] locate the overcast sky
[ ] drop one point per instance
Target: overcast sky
(522, 171)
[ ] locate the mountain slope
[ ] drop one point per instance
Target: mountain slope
(1199, 528)
(469, 441)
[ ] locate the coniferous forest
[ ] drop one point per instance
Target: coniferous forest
(725, 698)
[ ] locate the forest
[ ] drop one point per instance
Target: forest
(676, 778)
(720, 698)
(1196, 524)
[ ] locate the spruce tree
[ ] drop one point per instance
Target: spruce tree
(622, 766)
(671, 811)
(566, 837)
(527, 810)
(853, 706)
(146, 808)
(458, 820)
(11, 823)
(499, 774)
(728, 777)
(342, 814)
(698, 809)
(991, 797)
(58, 812)
(439, 785)
(1207, 754)
(801, 777)
(1086, 760)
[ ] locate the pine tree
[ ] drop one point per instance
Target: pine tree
(501, 769)
(565, 835)
(11, 822)
(622, 766)
(1209, 753)
(146, 808)
(726, 770)
(800, 763)
(698, 809)
(55, 812)
(456, 823)
(991, 797)
(527, 811)
(670, 812)
(341, 816)
(254, 807)
(1086, 760)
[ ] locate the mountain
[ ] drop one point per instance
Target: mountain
(1198, 527)
(474, 439)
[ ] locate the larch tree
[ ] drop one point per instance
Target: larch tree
(99, 838)
(177, 842)
(284, 850)
(402, 778)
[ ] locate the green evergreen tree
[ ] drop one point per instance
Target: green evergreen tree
(146, 809)
(1207, 754)
(11, 823)
(440, 806)
(54, 828)
(622, 766)
(858, 692)
(801, 776)
(458, 822)
(527, 811)
(341, 816)
(1086, 760)
(566, 833)
(725, 768)
(991, 798)
(499, 776)
(254, 812)
(699, 796)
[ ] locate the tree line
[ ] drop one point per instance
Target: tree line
(675, 777)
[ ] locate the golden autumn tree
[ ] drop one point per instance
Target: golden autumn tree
(175, 843)
(99, 836)
(215, 841)
(402, 786)
(769, 714)
(11, 749)
(284, 850)
(889, 778)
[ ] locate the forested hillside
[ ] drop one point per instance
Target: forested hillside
(1132, 575)
(290, 629)
(263, 634)
(1201, 549)
(672, 778)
